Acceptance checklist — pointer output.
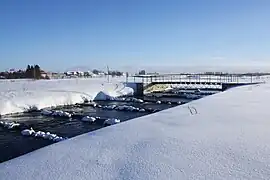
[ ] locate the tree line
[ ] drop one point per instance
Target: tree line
(115, 73)
(112, 73)
(31, 72)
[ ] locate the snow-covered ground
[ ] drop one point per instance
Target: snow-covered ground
(20, 95)
(224, 136)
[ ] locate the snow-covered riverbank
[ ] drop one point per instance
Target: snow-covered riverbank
(20, 95)
(224, 136)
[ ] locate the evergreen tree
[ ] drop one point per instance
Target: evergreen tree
(28, 72)
(142, 72)
(95, 71)
(32, 72)
(37, 72)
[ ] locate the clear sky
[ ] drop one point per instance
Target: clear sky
(59, 34)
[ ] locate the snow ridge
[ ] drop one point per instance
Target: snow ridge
(23, 95)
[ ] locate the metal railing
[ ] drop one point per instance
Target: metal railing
(199, 78)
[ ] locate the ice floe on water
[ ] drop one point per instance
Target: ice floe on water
(46, 112)
(107, 122)
(28, 132)
(59, 113)
(31, 132)
(129, 108)
(9, 125)
(88, 119)
(111, 121)
(41, 134)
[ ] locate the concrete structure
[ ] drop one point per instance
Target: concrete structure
(137, 87)
(194, 81)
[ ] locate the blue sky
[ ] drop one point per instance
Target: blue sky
(59, 34)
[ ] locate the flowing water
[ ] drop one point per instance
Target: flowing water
(13, 144)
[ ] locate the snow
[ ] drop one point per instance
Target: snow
(223, 136)
(9, 125)
(41, 134)
(111, 121)
(58, 113)
(46, 112)
(21, 95)
(102, 96)
(89, 119)
(28, 132)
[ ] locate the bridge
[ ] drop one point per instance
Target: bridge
(220, 82)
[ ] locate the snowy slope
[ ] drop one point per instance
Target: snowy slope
(18, 95)
(228, 138)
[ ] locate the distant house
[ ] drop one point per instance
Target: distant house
(50, 74)
(75, 73)
(11, 70)
(88, 74)
(43, 74)
(70, 73)
(79, 73)
(101, 73)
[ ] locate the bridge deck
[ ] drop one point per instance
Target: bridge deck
(222, 81)
(197, 78)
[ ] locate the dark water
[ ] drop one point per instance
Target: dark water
(13, 144)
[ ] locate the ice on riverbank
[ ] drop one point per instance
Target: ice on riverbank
(21, 95)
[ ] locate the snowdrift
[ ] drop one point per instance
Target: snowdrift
(22, 95)
(103, 96)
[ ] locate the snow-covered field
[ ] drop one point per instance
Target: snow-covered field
(224, 136)
(20, 95)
